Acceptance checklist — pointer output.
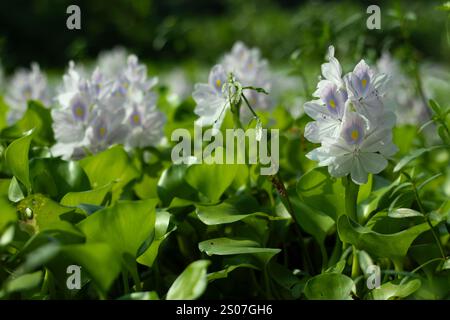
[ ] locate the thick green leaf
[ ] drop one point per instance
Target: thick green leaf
(15, 193)
(316, 223)
(161, 233)
(147, 295)
(55, 177)
(40, 213)
(38, 118)
(92, 197)
(191, 283)
(16, 158)
(124, 226)
(24, 282)
(146, 188)
(389, 290)
(404, 213)
(394, 245)
(329, 286)
(38, 257)
(226, 246)
(412, 156)
(221, 274)
(211, 179)
(112, 165)
(7, 210)
(322, 193)
(172, 185)
(231, 210)
(100, 261)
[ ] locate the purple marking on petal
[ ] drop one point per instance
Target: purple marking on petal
(334, 99)
(217, 78)
(79, 109)
(353, 130)
(135, 118)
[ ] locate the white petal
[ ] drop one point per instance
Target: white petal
(341, 165)
(359, 176)
(373, 162)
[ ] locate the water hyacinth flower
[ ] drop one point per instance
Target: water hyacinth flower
(212, 99)
(145, 124)
(350, 122)
(111, 62)
(328, 112)
(100, 111)
(26, 85)
(356, 151)
(401, 97)
(248, 69)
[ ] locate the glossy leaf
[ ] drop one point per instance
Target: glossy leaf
(320, 192)
(226, 246)
(389, 290)
(110, 166)
(124, 226)
(16, 158)
(393, 245)
(191, 283)
(329, 286)
(212, 180)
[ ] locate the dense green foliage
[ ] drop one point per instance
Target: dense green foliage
(142, 227)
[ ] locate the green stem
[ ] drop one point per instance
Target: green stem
(237, 121)
(249, 106)
(427, 219)
(279, 186)
(267, 284)
(351, 197)
(126, 286)
(355, 263)
(281, 189)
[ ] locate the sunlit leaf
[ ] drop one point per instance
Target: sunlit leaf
(191, 283)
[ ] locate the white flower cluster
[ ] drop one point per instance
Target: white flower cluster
(248, 68)
(97, 112)
(350, 121)
(26, 85)
(402, 98)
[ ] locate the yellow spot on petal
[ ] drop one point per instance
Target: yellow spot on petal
(218, 83)
(332, 103)
(102, 131)
(364, 83)
(79, 111)
(136, 118)
(355, 135)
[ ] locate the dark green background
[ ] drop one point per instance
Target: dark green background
(171, 31)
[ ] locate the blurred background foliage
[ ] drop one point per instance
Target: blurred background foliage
(181, 31)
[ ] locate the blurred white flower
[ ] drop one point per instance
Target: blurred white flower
(402, 97)
(212, 98)
(100, 111)
(354, 130)
(145, 124)
(178, 84)
(249, 69)
(111, 62)
(132, 83)
(25, 85)
(106, 128)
